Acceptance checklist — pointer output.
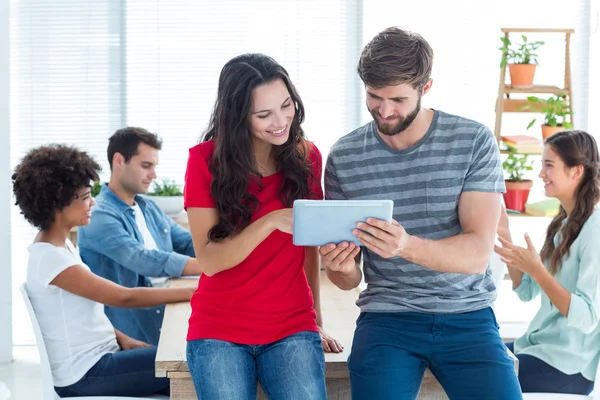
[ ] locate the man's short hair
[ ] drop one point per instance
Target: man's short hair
(125, 141)
(396, 56)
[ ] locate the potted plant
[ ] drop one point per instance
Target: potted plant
(96, 188)
(555, 110)
(167, 196)
(521, 60)
(517, 189)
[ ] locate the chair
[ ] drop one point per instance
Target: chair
(48, 392)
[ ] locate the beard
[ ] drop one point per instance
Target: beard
(402, 124)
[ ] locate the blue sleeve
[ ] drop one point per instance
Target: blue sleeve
(528, 289)
(107, 236)
(485, 170)
(585, 300)
(182, 239)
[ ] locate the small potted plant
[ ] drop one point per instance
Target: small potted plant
(517, 189)
(521, 60)
(96, 188)
(556, 110)
(167, 196)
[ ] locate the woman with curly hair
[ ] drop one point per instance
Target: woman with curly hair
(256, 312)
(559, 352)
(88, 357)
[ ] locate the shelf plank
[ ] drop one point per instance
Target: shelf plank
(504, 151)
(522, 215)
(517, 105)
(540, 89)
(536, 30)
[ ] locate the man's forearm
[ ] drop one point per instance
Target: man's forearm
(462, 254)
(345, 281)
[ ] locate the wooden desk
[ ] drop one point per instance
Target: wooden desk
(339, 314)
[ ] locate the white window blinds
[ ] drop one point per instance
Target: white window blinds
(175, 51)
(82, 69)
(65, 83)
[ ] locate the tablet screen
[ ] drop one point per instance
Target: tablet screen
(320, 222)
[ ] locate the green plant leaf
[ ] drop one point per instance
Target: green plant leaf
(523, 53)
(167, 187)
(516, 165)
(96, 189)
(555, 109)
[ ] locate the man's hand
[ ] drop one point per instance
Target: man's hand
(387, 239)
(340, 258)
(330, 345)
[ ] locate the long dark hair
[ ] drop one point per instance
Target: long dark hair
(233, 164)
(574, 148)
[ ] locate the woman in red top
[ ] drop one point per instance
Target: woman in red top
(256, 312)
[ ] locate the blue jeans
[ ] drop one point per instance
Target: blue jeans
(288, 369)
(391, 351)
(537, 376)
(124, 373)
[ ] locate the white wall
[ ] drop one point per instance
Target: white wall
(594, 67)
(5, 195)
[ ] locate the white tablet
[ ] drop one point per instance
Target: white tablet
(320, 222)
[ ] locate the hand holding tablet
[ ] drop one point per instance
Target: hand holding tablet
(320, 222)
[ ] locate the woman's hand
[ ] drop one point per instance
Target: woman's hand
(128, 343)
(282, 220)
(330, 345)
(526, 260)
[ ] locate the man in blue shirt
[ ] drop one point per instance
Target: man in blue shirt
(130, 239)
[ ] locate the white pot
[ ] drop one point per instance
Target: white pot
(171, 205)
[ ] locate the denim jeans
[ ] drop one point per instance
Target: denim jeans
(537, 376)
(124, 373)
(288, 369)
(464, 352)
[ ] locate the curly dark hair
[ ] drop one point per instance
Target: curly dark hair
(47, 180)
(233, 164)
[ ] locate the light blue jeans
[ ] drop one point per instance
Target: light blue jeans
(288, 369)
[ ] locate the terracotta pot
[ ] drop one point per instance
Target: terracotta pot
(548, 131)
(521, 75)
(516, 194)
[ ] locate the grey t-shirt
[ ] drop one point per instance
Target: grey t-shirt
(425, 182)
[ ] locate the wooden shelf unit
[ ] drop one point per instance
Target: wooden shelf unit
(504, 103)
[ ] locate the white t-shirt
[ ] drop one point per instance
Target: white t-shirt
(149, 242)
(140, 221)
(76, 331)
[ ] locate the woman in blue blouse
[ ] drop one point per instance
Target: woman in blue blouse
(559, 352)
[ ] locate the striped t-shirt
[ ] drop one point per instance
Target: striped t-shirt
(425, 182)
